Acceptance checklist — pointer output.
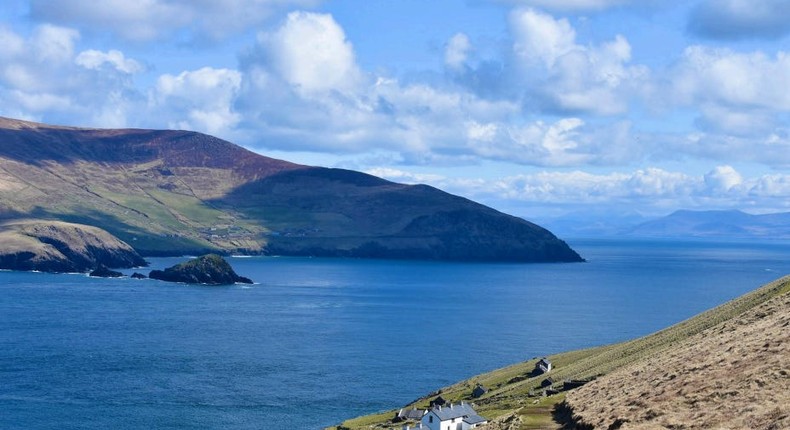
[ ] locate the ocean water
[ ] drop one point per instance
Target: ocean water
(320, 340)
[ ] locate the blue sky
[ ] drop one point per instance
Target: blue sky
(537, 107)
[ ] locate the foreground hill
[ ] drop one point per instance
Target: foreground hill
(713, 224)
(725, 368)
(733, 375)
(178, 192)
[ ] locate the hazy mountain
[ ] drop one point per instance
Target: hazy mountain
(177, 192)
(716, 224)
(593, 223)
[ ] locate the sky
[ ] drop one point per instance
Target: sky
(540, 108)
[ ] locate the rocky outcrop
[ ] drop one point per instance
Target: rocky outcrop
(54, 246)
(209, 270)
(507, 422)
(104, 272)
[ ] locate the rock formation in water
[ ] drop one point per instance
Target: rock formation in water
(209, 269)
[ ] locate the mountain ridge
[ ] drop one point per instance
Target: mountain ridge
(732, 224)
(172, 192)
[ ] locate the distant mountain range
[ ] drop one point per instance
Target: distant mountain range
(714, 224)
(169, 192)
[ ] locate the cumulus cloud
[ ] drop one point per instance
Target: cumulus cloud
(565, 76)
(310, 52)
(146, 20)
(741, 109)
(93, 59)
(539, 37)
(198, 100)
(723, 178)
(303, 90)
(43, 74)
(741, 19)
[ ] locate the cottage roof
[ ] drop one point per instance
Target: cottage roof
(475, 419)
(544, 361)
(411, 414)
(454, 411)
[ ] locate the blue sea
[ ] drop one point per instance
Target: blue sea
(316, 341)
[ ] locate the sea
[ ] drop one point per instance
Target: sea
(316, 341)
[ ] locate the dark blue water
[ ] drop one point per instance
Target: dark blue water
(320, 340)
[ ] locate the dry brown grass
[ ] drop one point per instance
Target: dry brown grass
(735, 375)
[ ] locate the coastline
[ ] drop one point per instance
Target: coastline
(515, 392)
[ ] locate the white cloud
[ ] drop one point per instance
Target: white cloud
(146, 20)
(538, 37)
(310, 52)
(457, 51)
(93, 59)
(568, 77)
(741, 19)
(731, 78)
(42, 76)
(199, 100)
(742, 111)
(723, 178)
(649, 190)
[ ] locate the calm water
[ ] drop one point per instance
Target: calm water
(321, 340)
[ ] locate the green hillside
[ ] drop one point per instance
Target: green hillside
(515, 392)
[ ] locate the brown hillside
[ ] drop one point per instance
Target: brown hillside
(735, 375)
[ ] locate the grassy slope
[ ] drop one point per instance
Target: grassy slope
(137, 208)
(511, 387)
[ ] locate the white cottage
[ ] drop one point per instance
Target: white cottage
(452, 417)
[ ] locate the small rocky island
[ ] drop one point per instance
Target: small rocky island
(104, 272)
(209, 269)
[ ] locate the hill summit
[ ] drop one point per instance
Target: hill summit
(168, 192)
